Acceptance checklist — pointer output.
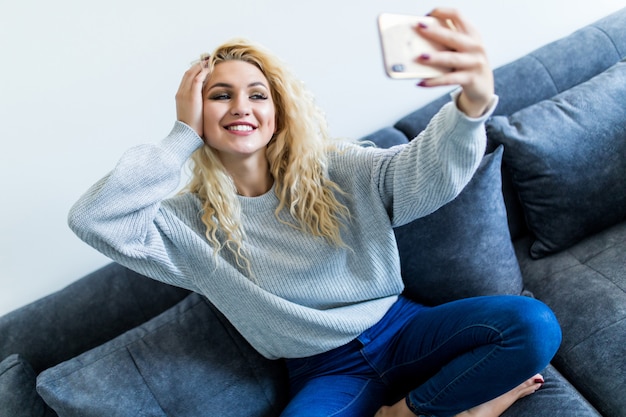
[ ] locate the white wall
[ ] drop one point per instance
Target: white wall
(81, 81)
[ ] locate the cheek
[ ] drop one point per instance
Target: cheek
(210, 119)
(208, 113)
(269, 117)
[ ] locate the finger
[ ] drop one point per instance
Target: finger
(450, 39)
(460, 22)
(453, 61)
(464, 70)
(193, 70)
(459, 65)
(450, 78)
(203, 58)
(192, 81)
(196, 70)
(200, 78)
(451, 15)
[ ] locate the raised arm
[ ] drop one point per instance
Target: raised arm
(125, 215)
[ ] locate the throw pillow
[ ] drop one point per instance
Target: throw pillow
(18, 397)
(567, 157)
(188, 361)
(463, 249)
(386, 137)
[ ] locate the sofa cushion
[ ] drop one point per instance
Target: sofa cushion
(18, 397)
(188, 361)
(567, 159)
(585, 286)
(463, 249)
(556, 398)
(386, 137)
(109, 301)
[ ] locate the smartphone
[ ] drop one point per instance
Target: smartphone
(401, 45)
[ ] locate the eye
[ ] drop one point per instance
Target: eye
(219, 96)
(258, 96)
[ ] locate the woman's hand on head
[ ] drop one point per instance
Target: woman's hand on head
(189, 100)
(465, 57)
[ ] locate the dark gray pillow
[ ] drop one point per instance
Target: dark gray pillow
(463, 249)
(386, 137)
(567, 157)
(188, 361)
(18, 397)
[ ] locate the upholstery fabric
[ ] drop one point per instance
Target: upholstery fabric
(586, 288)
(18, 397)
(556, 398)
(565, 155)
(187, 361)
(546, 71)
(108, 302)
(463, 249)
(386, 137)
(583, 284)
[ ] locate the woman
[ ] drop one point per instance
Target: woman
(290, 236)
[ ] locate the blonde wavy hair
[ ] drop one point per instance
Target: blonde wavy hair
(297, 155)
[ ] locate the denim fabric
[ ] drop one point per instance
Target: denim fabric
(447, 358)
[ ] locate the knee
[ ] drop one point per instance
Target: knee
(537, 330)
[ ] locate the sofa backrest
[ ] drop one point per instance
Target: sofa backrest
(537, 76)
(545, 72)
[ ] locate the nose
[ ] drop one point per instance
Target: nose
(240, 105)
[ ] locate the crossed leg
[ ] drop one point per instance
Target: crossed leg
(493, 408)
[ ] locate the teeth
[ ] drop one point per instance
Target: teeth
(240, 128)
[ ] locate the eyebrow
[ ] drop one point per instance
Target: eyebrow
(226, 85)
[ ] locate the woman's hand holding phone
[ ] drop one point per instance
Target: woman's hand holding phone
(442, 48)
(464, 56)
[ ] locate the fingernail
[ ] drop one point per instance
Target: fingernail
(424, 57)
(422, 25)
(422, 84)
(539, 381)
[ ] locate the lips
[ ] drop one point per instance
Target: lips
(240, 127)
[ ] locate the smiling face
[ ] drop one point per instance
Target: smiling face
(239, 115)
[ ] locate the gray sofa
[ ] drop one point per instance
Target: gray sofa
(544, 216)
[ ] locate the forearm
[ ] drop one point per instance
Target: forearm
(438, 164)
(117, 213)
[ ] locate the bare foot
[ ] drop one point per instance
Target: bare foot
(399, 409)
(500, 404)
(491, 408)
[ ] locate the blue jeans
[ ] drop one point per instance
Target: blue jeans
(443, 360)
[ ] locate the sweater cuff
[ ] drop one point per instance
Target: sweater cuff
(492, 106)
(181, 142)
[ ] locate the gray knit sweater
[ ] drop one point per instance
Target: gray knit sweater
(307, 296)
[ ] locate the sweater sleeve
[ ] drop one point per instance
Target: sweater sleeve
(123, 215)
(434, 167)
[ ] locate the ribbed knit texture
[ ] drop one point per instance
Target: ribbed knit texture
(306, 296)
